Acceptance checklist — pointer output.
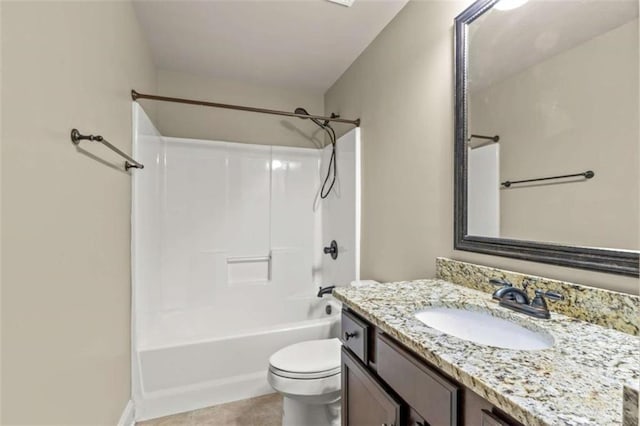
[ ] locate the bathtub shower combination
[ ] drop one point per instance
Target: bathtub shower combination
(228, 256)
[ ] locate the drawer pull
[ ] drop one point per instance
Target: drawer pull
(348, 335)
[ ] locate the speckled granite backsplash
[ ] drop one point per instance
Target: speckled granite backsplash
(611, 309)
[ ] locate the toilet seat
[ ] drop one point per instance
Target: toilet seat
(307, 360)
(304, 376)
(323, 390)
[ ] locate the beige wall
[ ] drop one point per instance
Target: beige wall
(401, 87)
(568, 114)
(198, 122)
(65, 215)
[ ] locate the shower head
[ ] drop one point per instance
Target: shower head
(303, 111)
(324, 193)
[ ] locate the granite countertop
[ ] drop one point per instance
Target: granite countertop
(578, 381)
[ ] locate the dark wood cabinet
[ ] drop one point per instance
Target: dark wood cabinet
(365, 402)
(384, 383)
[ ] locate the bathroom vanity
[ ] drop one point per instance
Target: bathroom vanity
(384, 383)
(398, 371)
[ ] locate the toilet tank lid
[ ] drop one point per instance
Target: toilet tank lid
(311, 356)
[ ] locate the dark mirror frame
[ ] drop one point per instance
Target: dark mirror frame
(602, 260)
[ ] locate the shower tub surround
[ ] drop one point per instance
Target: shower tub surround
(227, 258)
(578, 381)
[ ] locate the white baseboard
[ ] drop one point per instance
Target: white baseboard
(128, 415)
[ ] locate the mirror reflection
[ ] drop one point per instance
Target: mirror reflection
(552, 123)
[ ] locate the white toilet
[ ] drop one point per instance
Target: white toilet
(307, 374)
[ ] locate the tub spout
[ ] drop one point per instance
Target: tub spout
(325, 290)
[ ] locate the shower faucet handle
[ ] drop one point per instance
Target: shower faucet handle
(332, 249)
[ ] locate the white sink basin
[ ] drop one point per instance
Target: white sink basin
(484, 329)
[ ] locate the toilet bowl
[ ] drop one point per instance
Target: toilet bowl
(307, 375)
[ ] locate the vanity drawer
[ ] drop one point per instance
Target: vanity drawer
(354, 335)
(432, 396)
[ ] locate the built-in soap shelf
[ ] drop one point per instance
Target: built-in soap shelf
(248, 269)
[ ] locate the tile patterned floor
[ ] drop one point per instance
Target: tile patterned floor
(261, 411)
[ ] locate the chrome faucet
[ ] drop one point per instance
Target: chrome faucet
(516, 299)
(325, 290)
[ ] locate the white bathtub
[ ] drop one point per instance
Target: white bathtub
(187, 360)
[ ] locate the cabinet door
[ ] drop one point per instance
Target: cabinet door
(431, 395)
(364, 401)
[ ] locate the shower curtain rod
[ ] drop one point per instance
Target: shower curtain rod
(135, 96)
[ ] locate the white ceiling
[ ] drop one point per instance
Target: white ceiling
(296, 43)
(502, 43)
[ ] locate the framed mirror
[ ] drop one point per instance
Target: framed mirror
(547, 133)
